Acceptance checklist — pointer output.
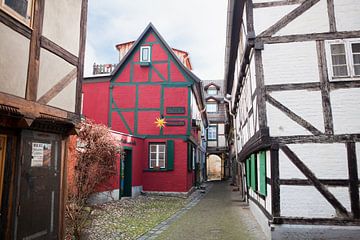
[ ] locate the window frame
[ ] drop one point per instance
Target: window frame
(27, 20)
(212, 88)
(349, 58)
(141, 54)
(216, 133)
(212, 103)
(157, 165)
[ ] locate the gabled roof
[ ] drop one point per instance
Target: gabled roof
(168, 48)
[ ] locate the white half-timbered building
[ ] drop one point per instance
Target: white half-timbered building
(292, 73)
(42, 46)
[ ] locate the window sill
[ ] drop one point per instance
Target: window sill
(157, 170)
(144, 64)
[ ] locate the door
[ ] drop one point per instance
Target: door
(127, 174)
(38, 209)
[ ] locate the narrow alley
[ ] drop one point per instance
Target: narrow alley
(219, 215)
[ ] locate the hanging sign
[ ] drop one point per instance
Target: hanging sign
(175, 110)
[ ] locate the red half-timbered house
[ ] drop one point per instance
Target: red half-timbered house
(152, 84)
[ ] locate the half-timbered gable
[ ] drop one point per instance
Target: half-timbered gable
(41, 67)
(153, 83)
(292, 73)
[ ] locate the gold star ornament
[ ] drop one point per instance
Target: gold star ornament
(160, 122)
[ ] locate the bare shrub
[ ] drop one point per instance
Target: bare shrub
(96, 156)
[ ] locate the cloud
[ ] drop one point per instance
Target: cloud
(195, 26)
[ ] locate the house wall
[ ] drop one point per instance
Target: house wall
(96, 101)
(14, 51)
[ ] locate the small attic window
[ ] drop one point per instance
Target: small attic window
(212, 90)
(145, 54)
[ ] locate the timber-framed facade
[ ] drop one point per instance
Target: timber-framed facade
(292, 70)
(42, 48)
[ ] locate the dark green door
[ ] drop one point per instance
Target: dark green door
(127, 174)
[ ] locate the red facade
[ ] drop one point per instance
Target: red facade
(131, 101)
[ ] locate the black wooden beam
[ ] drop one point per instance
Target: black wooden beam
(324, 138)
(15, 24)
(277, 3)
(353, 179)
(307, 182)
(315, 221)
(325, 87)
(308, 37)
(317, 184)
(331, 15)
(275, 183)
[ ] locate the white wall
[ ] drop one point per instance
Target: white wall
(290, 63)
(14, 57)
(52, 69)
(346, 111)
(62, 23)
(347, 15)
(306, 201)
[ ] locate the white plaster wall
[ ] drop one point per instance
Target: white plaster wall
(290, 63)
(314, 20)
(14, 57)
(304, 201)
(347, 15)
(212, 143)
(346, 111)
(281, 125)
(306, 104)
(66, 99)
(342, 195)
(287, 170)
(221, 141)
(52, 70)
(326, 161)
(266, 17)
(221, 129)
(62, 23)
(252, 74)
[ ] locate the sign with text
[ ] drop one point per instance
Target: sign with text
(175, 110)
(40, 154)
(172, 123)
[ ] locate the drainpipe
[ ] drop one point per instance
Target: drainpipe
(228, 101)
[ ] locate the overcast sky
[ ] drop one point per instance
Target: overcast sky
(195, 26)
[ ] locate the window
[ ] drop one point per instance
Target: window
(344, 59)
(212, 91)
(20, 9)
(211, 107)
(145, 54)
(212, 133)
(157, 155)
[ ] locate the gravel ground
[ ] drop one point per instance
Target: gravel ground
(130, 218)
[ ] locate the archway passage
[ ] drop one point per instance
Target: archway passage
(213, 167)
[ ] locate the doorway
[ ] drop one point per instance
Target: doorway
(214, 167)
(38, 205)
(126, 174)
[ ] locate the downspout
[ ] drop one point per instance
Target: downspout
(226, 99)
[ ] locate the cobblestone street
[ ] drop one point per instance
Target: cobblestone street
(218, 215)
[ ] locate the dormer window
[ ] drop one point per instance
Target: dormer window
(211, 107)
(145, 55)
(212, 91)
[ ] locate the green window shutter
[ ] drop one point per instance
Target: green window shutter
(189, 157)
(253, 174)
(170, 151)
(248, 172)
(262, 173)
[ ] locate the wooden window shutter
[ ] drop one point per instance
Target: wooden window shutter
(248, 172)
(170, 151)
(262, 173)
(189, 157)
(253, 174)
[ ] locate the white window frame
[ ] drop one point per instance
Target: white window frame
(27, 20)
(211, 133)
(209, 110)
(157, 152)
(349, 59)
(141, 54)
(212, 89)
